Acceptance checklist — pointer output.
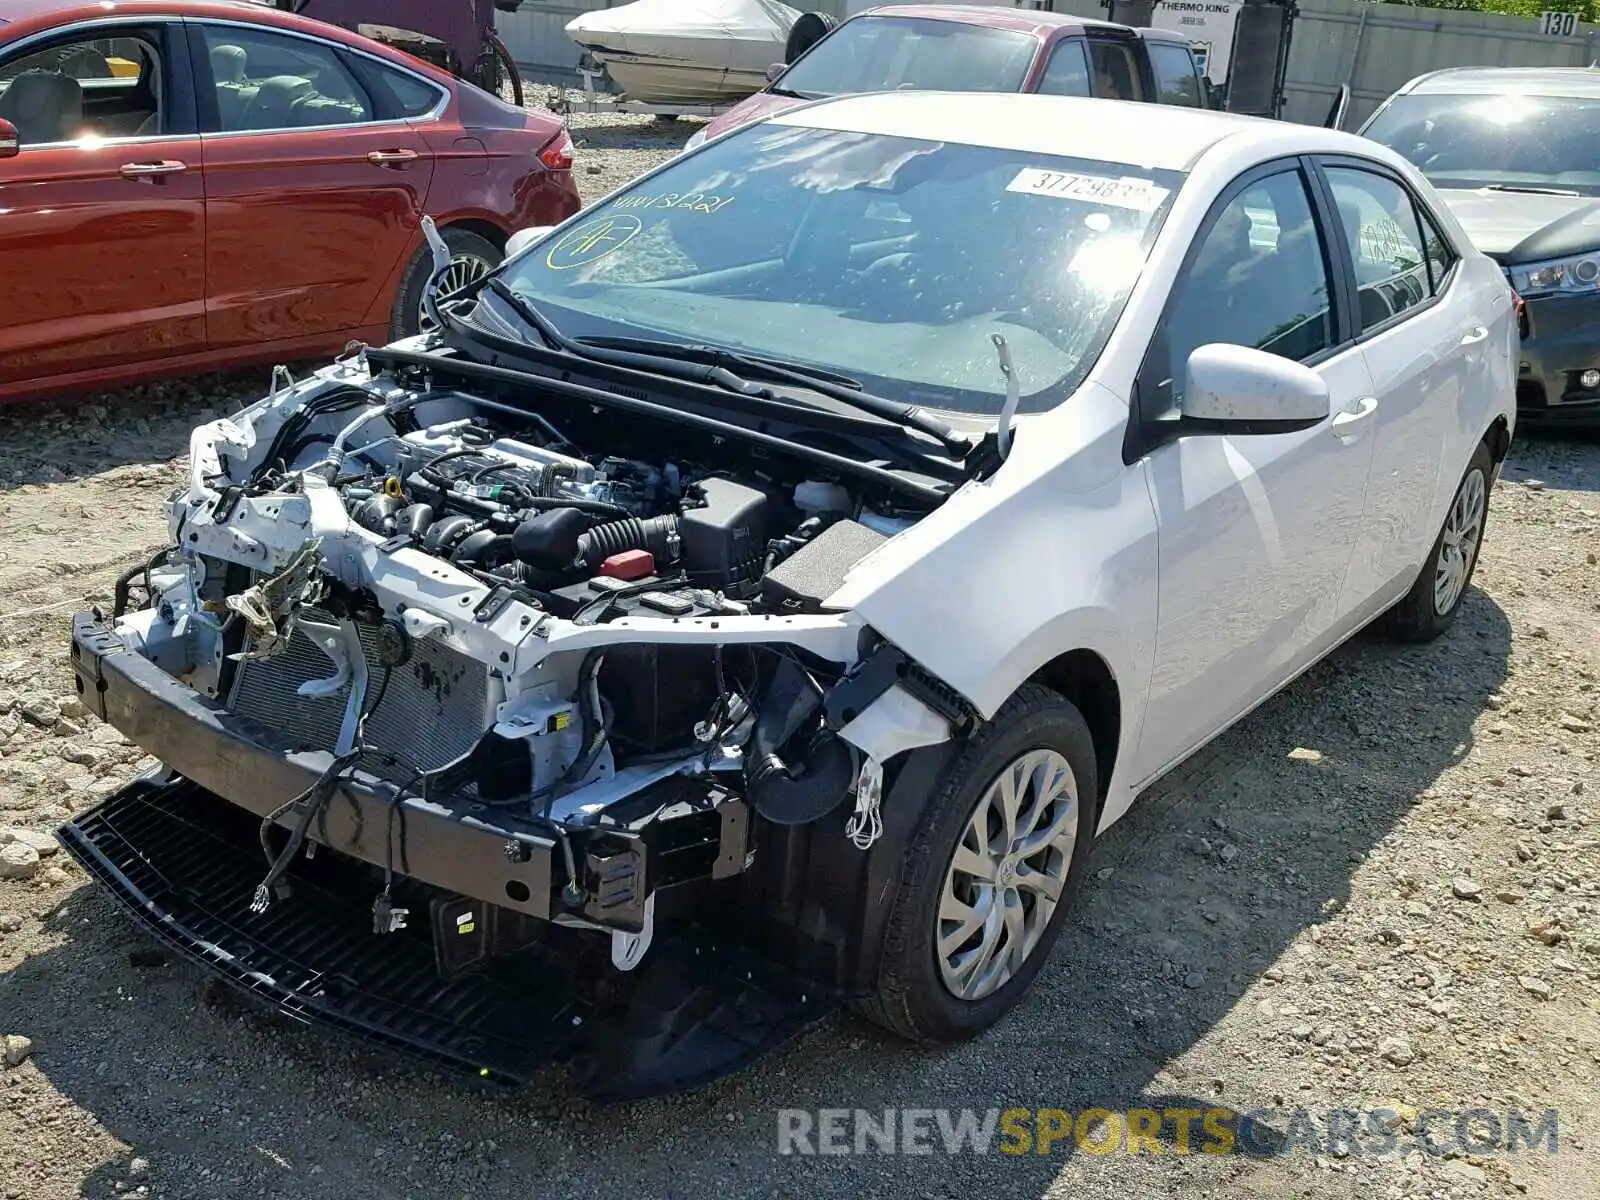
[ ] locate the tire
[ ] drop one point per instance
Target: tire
(916, 987)
(806, 32)
(405, 318)
(487, 73)
(1423, 615)
(508, 72)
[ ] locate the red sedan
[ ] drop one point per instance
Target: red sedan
(196, 185)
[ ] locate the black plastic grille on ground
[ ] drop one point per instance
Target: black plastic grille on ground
(186, 863)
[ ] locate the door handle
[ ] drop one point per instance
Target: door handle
(151, 170)
(1474, 335)
(384, 158)
(1354, 419)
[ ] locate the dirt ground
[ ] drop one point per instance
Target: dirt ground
(1379, 891)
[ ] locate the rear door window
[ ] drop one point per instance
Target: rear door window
(1067, 72)
(1116, 70)
(266, 80)
(1176, 79)
(1386, 243)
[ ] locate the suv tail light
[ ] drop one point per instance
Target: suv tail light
(1520, 307)
(557, 153)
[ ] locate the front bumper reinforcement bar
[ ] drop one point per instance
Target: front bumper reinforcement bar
(183, 858)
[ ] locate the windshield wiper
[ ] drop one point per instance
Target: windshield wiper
(701, 352)
(1529, 189)
(794, 95)
(714, 365)
(673, 366)
(825, 383)
(541, 324)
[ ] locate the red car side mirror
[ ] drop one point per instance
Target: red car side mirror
(774, 70)
(10, 142)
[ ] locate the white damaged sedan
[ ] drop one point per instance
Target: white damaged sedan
(757, 594)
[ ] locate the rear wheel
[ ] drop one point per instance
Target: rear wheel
(1430, 607)
(984, 890)
(471, 258)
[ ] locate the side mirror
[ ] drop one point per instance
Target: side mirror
(10, 140)
(775, 70)
(523, 238)
(1234, 389)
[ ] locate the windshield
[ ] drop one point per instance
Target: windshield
(1507, 140)
(887, 259)
(880, 54)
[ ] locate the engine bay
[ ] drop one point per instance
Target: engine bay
(592, 534)
(534, 682)
(532, 625)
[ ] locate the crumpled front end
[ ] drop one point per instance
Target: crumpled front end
(480, 730)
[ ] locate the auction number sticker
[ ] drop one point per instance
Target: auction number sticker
(1126, 192)
(592, 241)
(701, 202)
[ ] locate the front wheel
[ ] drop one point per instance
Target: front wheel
(984, 890)
(1430, 607)
(471, 258)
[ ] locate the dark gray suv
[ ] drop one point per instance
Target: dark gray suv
(1515, 153)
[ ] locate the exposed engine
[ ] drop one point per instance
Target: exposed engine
(551, 526)
(578, 530)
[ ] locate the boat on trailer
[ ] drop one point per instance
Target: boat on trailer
(686, 52)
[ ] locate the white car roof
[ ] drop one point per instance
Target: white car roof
(1154, 136)
(1531, 81)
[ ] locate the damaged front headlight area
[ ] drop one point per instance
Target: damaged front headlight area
(517, 676)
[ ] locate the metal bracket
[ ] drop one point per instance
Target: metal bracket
(627, 949)
(491, 605)
(881, 670)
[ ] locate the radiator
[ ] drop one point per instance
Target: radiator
(436, 704)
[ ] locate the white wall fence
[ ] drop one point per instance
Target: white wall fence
(1373, 47)
(536, 35)
(1377, 47)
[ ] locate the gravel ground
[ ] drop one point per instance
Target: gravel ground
(1378, 891)
(613, 149)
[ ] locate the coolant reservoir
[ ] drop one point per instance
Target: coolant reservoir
(813, 497)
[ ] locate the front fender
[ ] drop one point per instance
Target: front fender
(1056, 552)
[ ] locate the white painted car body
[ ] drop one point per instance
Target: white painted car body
(1205, 573)
(1211, 572)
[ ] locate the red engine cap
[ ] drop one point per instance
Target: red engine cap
(630, 564)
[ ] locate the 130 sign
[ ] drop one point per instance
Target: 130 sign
(1558, 24)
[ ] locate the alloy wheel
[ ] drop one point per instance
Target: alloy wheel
(1458, 549)
(463, 269)
(1007, 874)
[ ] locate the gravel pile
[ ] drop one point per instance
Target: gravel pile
(1379, 890)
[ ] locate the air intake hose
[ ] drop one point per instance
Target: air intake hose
(481, 547)
(659, 535)
(443, 534)
(818, 778)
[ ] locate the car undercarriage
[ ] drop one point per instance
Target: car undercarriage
(506, 739)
